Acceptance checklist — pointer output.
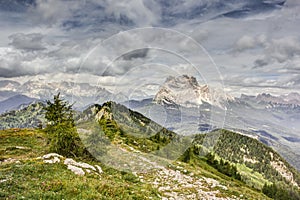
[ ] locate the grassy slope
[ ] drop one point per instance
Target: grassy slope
(32, 179)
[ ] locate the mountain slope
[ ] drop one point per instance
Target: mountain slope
(275, 120)
(249, 154)
(29, 116)
(120, 124)
(25, 176)
(135, 134)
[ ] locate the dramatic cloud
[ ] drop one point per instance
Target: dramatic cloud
(254, 44)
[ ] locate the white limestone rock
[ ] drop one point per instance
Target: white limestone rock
(77, 170)
(53, 160)
(49, 155)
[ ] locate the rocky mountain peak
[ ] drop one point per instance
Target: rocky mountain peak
(181, 82)
(185, 90)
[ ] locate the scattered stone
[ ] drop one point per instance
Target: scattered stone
(49, 155)
(70, 161)
(99, 169)
(76, 170)
(79, 168)
(174, 184)
(10, 160)
(24, 148)
(53, 160)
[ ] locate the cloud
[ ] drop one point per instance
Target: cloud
(269, 50)
(260, 63)
(71, 14)
(54, 36)
(30, 42)
(284, 48)
(139, 53)
(52, 12)
(245, 42)
(135, 10)
(279, 50)
(16, 62)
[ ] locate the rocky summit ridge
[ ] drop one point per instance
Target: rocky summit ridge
(186, 91)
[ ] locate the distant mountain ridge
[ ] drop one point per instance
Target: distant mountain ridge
(291, 100)
(9, 85)
(183, 90)
(15, 102)
(82, 94)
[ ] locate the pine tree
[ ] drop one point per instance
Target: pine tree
(61, 131)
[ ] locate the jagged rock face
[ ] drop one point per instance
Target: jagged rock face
(287, 102)
(186, 91)
(289, 99)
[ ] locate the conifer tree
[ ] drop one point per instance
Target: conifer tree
(61, 131)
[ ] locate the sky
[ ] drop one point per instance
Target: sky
(243, 46)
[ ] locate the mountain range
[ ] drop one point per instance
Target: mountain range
(127, 140)
(148, 159)
(81, 94)
(182, 90)
(182, 105)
